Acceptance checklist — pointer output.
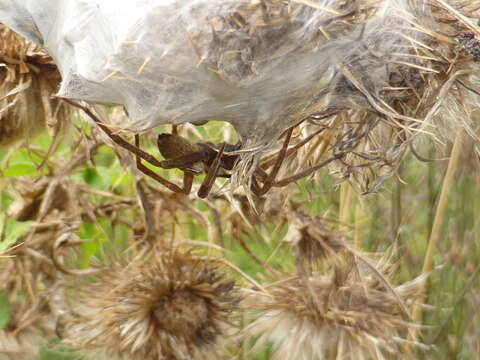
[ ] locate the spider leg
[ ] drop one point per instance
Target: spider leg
(255, 187)
(188, 181)
(187, 177)
(116, 138)
(211, 174)
(261, 174)
(139, 154)
(270, 180)
(183, 161)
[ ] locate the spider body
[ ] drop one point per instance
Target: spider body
(186, 155)
(173, 146)
(227, 161)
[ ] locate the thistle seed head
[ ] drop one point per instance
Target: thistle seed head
(166, 305)
(348, 312)
(27, 327)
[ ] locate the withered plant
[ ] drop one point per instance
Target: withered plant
(28, 82)
(412, 78)
(26, 329)
(165, 304)
(346, 311)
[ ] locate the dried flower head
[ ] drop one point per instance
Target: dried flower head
(44, 199)
(166, 305)
(29, 280)
(314, 240)
(350, 313)
(24, 331)
(28, 80)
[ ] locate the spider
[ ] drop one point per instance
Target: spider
(215, 160)
(194, 159)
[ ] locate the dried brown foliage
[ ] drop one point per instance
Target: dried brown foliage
(169, 304)
(26, 330)
(29, 80)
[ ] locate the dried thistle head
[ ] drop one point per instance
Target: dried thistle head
(30, 279)
(30, 275)
(25, 330)
(349, 313)
(166, 305)
(28, 80)
(313, 239)
(46, 198)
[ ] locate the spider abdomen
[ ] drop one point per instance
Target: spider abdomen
(172, 146)
(184, 154)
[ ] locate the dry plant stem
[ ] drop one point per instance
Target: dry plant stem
(64, 240)
(217, 236)
(384, 281)
(244, 345)
(267, 164)
(307, 172)
(358, 226)
(250, 253)
(238, 270)
(396, 206)
(439, 219)
(345, 202)
(463, 19)
(323, 145)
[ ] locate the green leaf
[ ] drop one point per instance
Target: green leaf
(11, 231)
(90, 176)
(94, 234)
(57, 353)
(4, 311)
(89, 249)
(43, 140)
(106, 174)
(21, 169)
(121, 178)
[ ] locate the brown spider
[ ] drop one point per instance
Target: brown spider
(216, 161)
(196, 158)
